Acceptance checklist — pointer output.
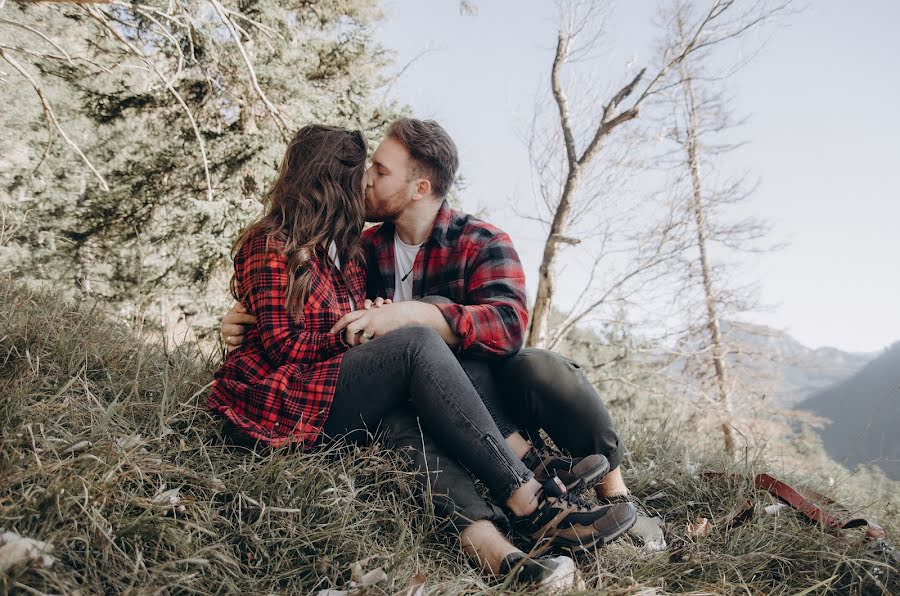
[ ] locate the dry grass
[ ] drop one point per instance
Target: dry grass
(107, 454)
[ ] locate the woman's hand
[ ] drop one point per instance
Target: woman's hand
(357, 336)
(235, 322)
(234, 325)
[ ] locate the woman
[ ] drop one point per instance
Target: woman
(298, 270)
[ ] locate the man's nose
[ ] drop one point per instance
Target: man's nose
(367, 179)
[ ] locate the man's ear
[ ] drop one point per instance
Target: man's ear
(423, 188)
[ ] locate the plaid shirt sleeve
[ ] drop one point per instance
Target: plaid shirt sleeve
(285, 341)
(494, 318)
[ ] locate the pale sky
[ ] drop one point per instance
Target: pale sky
(824, 129)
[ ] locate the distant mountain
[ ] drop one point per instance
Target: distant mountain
(794, 371)
(865, 415)
(767, 361)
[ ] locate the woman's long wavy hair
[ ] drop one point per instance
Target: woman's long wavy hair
(318, 198)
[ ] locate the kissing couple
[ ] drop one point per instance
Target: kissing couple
(415, 326)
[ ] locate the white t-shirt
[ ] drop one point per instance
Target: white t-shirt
(404, 259)
(332, 254)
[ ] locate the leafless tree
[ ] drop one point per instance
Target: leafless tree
(700, 118)
(569, 192)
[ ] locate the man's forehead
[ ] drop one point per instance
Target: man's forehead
(390, 153)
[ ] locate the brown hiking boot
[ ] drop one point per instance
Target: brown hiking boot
(564, 521)
(647, 530)
(577, 473)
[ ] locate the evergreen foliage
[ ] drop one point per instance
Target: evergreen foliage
(157, 244)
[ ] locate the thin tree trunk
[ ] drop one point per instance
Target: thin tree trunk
(712, 317)
(610, 118)
(543, 301)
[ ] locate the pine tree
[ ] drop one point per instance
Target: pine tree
(183, 112)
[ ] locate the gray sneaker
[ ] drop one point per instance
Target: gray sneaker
(548, 573)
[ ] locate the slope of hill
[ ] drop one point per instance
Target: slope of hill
(865, 414)
(768, 361)
(108, 456)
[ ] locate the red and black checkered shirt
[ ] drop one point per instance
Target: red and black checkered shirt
(278, 385)
(470, 262)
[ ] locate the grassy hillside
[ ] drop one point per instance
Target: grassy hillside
(107, 454)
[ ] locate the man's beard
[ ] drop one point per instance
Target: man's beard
(387, 210)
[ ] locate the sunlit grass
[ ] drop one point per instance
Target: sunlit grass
(108, 454)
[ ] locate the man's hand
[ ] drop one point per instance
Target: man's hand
(373, 321)
(378, 303)
(234, 325)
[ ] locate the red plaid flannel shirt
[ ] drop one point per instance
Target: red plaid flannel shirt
(470, 262)
(278, 385)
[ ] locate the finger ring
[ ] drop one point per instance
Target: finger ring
(367, 336)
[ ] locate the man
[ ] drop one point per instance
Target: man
(430, 265)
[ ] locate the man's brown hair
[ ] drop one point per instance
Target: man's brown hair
(432, 150)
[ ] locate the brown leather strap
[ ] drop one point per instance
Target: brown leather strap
(805, 503)
(801, 503)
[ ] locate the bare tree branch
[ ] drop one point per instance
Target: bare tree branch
(403, 70)
(67, 59)
(39, 34)
(567, 326)
(715, 10)
(282, 127)
(100, 17)
(168, 35)
(562, 46)
(51, 117)
(625, 91)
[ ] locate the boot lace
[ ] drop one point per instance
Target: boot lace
(574, 500)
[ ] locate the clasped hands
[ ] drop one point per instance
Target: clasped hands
(373, 320)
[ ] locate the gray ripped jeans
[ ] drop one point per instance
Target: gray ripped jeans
(411, 384)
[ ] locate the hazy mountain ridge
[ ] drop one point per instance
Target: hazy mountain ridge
(794, 370)
(865, 414)
(770, 362)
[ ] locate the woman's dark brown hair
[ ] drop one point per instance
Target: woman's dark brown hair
(316, 199)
